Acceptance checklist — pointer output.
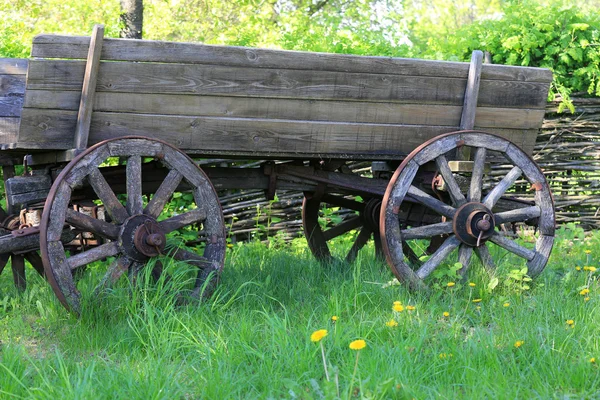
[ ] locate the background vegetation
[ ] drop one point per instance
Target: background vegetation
(558, 34)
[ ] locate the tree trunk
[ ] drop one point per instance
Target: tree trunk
(132, 17)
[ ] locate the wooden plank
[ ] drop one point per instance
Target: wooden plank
(13, 66)
(467, 119)
(12, 84)
(52, 129)
(55, 46)
(299, 83)
(84, 118)
(292, 109)
(9, 130)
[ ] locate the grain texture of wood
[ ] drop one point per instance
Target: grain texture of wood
(112, 205)
(135, 203)
(436, 258)
(86, 105)
(467, 119)
(52, 129)
(94, 254)
(13, 66)
(426, 231)
(292, 109)
(55, 46)
(89, 224)
(297, 83)
(512, 246)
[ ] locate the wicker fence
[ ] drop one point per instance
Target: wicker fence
(568, 150)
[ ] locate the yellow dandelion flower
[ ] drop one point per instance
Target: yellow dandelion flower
(586, 268)
(334, 318)
(446, 314)
(410, 308)
(318, 335)
(443, 356)
(578, 268)
(397, 303)
(570, 322)
(450, 284)
(391, 323)
(584, 291)
(593, 360)
(586, 299)
(471, 284)
(519, 343)
(478, 308)
(358, 344)
(587, 251)
(592, 269)
(507, 304)
(398, 308)
(476, 300)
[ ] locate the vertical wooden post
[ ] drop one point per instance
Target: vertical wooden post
(467, 119)
(86, 104)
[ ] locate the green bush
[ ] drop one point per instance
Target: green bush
(562, 38)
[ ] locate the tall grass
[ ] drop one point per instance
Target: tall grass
(252, 338)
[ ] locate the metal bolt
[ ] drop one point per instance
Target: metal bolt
(483, 225)
(154, 239)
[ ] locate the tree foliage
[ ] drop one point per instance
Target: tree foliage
(545, 33)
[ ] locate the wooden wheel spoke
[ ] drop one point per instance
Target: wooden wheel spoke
(343, 227)
(486, 258)
(413, 258)
(192, 258)
(512, 246)
(113, 206)
(89, 224)
(343, 202)
(474, 194)
(431, 202)
(426, 231)
(134, 185)
(17, 263)
(518, 215)
(494, 195)
(362, 239)
(36, 262)
(179, 221)
(3, 261)
(163, 194)
(458, 199)
(464, 257)
(114, 272)
(436, 259)
(94, 254)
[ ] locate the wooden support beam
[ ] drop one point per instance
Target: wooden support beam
(86, 104)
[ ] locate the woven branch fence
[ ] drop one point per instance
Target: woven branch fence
(567, 150)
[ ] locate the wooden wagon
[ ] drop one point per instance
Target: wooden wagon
(109, 130)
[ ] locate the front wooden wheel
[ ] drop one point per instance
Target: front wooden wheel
(137, 231)
(471, 222)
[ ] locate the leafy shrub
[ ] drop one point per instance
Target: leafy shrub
(561, 38)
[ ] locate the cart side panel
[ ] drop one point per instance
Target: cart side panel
(258, 103)
(12, 89)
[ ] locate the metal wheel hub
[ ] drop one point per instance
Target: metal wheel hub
(473, 224)
(371, 214)
(141, 238)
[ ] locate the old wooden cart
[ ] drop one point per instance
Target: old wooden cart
(108, 129)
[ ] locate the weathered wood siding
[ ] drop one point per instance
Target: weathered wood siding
(12, 90)
(233, 101)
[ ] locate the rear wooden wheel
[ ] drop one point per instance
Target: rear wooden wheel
(320, 228)
(137, 231)
(471, 222)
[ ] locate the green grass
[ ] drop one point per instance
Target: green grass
(252, 339)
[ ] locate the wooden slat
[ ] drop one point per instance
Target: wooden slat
(88, 90)
(52, 129)
(300, 83)
(316, 110)
(12, 89)
(54, 46)
(467, 119)
(13, 66)
(9, 130)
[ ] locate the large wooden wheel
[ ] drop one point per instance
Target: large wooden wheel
(471, 223)
(137, 232)
(319, 230)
